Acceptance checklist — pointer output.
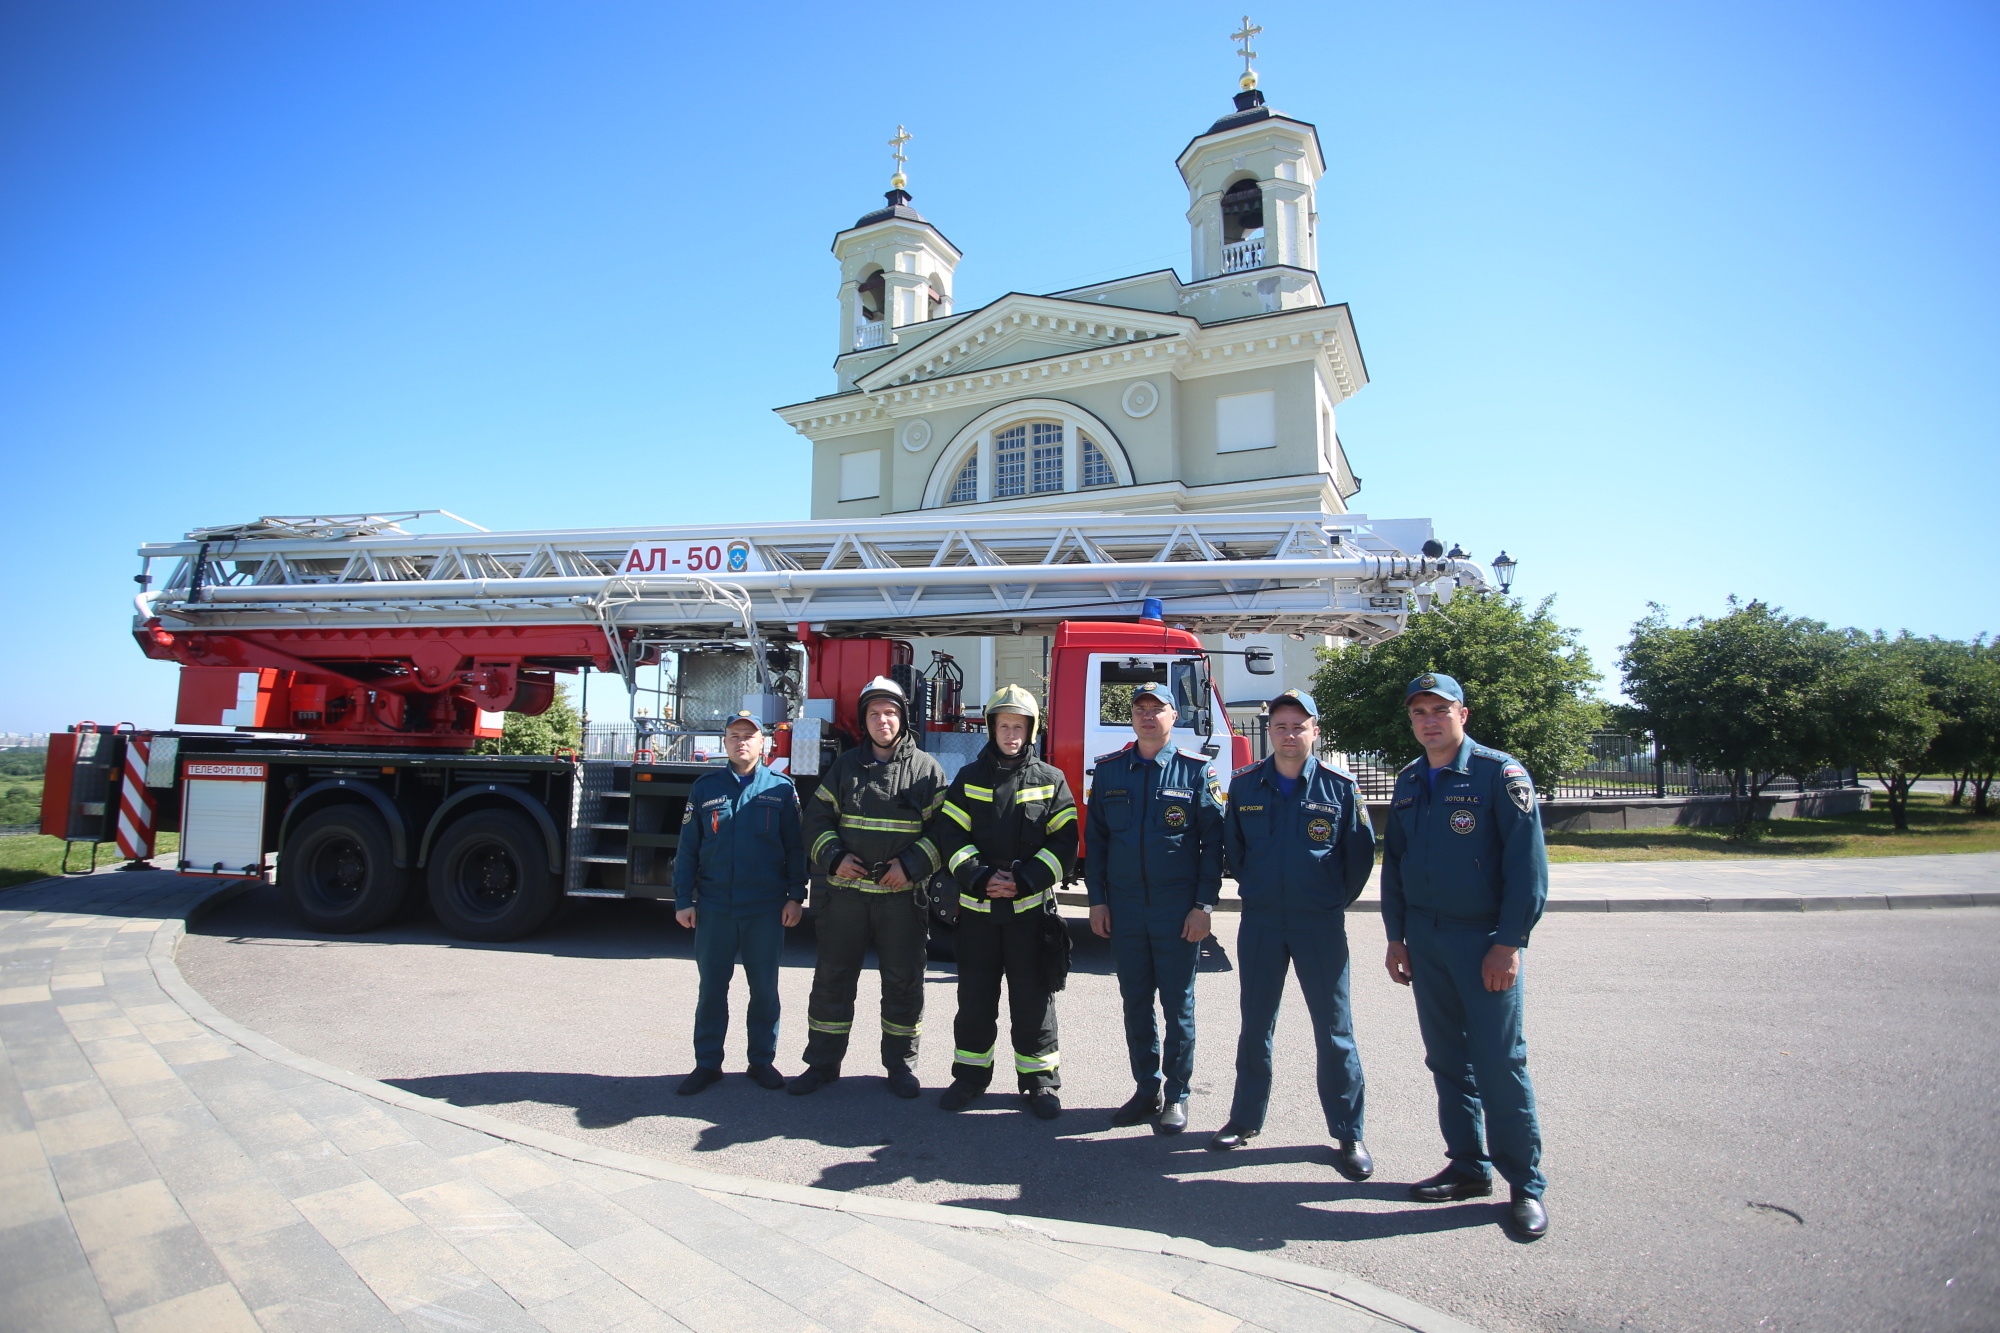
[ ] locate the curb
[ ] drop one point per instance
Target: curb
(1770, 902)
(1329, 1282)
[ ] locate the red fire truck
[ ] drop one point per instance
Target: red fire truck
(338, 671)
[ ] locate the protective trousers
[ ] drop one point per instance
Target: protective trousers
(719, 941)
(1475, 1051)
(847, 922)
(1268, 945)
(1152, 959)
(989, 948)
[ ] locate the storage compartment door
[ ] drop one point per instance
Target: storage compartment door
(222, 818)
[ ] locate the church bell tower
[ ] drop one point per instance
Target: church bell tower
(895, 268)
(1252, 180)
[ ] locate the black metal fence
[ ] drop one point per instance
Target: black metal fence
(1619, 767)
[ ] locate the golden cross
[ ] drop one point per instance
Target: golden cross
(903, 136)
(1243, 38)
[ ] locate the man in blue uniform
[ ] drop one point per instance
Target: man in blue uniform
(1297, 840)
(1464, 878)
(1153, 868)
(739, 880)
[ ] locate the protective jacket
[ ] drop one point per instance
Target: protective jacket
(1153, 831)
(1312, 850)
(876, 811)
(997, 817)
(741, 850)
(1467, 848)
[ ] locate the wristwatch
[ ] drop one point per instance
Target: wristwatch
(1204, 907)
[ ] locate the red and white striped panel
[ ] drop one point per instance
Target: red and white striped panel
(135, 802)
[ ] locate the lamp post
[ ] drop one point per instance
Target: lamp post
(1503, 569)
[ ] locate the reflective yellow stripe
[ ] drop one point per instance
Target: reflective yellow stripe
(822, 840)
(1029, 903)
(1051, 860)
(979, 793)
(838, 1029)
(930, 850)
(882, 825)
(898, 1030)
(877, 888)
(984, 1059)
(1062, 820)
(962, 855)
(958, 816)
(1027, 794)
(1036, 1064)
(825, 793)
(932, 808)
(972, 904)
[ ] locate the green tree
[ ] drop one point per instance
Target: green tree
(1964, 679)
(558, 728)
(1745, 693)
(1880, 715)
(1527, 680)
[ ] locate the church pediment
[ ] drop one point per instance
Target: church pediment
(1016, 329)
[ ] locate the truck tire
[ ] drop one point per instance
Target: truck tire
(489, 877)
(339, 873)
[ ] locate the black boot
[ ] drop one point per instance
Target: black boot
(815, 1078)
(1351, 1159)
(1450, 1185)
(1144, 1105)
(699, 1079)
(902, 1082)
(959, 1096)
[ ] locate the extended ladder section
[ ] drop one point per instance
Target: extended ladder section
(934, 574)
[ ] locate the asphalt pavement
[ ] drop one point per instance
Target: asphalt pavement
(1753, 1120)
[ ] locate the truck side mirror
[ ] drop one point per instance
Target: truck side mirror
(1259, 663)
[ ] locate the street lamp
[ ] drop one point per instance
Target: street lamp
(1503, 569)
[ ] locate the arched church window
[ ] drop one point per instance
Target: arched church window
(1096, 469)
(1242, 212)
(965, 486)
(871, 294)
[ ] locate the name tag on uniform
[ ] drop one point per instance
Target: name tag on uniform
(1407, 800)
(710, 805)
(1315, 805)
(1246, 809)
(1176, 794)
(1462, 797)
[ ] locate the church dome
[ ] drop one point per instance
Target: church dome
(899, 207)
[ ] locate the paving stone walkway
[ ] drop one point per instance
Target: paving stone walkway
(162, 1169)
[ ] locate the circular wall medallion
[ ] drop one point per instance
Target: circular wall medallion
(1141, 398)
(916, 435)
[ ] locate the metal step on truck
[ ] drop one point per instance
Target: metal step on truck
(340, 669)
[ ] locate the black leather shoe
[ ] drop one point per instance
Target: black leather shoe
(698, 1080)
(1043, 1103)
(815, 1078)
(1527, 1217)
(1451, 1184)
(1172, 1118)
(904, 1083)
(1231, 1137)
(766, 1076)
(1144, 1105)
(959, 1096)
(1351, 1159)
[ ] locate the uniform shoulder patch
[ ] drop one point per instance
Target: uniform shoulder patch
(1247, 768)
(1105, 758)
(1339, 772)
(1512, 769)
(1486, 752)
(1412, 766)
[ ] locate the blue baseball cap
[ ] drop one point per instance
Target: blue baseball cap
(746, 715)
(1444, 687)
(1152, 689)
(1297, 699)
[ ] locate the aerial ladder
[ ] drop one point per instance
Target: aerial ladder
(356, 663)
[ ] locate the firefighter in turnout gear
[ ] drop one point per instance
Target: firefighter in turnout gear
(864, 831)
(1008, 835)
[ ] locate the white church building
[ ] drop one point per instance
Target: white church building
(1143, 395)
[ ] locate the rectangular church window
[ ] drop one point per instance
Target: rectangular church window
(861, 475)
(1010, 462)
(1246, 421)
(1046, 457)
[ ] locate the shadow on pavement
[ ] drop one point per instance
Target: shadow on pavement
(1005, 1160)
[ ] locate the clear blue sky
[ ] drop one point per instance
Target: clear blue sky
(1672, 301)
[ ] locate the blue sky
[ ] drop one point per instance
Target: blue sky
(1673, 302)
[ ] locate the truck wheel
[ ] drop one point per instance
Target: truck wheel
(489, 877)
(339, 873)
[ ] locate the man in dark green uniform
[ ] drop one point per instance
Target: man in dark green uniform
(1007, 832)
(1464, 879)
(1153, 866)
(864, 832)
(739, 880)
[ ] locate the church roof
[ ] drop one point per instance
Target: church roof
(899, 207)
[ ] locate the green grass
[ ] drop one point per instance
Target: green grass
(30, 857)
(1934, 827)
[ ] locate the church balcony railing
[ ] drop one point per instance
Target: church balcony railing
(871, 333)
(1240, 255)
